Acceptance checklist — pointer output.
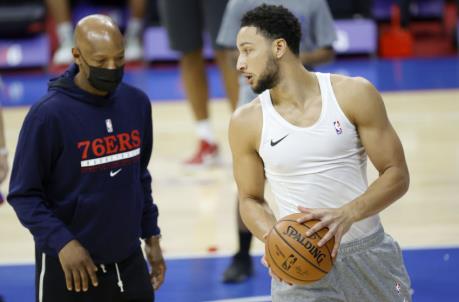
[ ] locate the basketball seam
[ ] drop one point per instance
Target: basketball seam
(288, 274)
(299, 254)
(317, 233)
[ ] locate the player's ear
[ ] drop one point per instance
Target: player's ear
(279, 48)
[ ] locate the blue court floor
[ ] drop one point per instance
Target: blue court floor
(434, 274)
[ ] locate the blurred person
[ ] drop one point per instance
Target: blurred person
(61, 12)
(3, 150)
(348, 9)
(318, 35)
(185, 21)
(80, 182)
(309, 134)
(4, 167)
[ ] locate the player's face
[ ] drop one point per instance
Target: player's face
(256, 61)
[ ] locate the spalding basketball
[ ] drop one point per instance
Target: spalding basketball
(294, 257)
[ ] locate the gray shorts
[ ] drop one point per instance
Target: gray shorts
(367, 270)
(185, 21)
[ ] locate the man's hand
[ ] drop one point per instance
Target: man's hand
(156, 260)
(338, 221)
(78, 266)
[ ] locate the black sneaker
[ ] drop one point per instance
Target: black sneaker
(239, 270)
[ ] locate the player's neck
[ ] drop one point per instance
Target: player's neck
(296, 85)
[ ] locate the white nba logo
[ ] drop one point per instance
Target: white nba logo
(108, 123)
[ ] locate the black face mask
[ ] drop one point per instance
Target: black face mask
(104, 79)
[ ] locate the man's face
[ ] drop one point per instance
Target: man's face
(100, 57)
(102, 49)
(256, 61)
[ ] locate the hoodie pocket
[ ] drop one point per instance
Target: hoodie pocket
(108, 223)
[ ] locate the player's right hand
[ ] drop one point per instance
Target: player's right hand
(265, 263)
(271, 273)
(78, 266)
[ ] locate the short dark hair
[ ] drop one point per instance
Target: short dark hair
(274, 22)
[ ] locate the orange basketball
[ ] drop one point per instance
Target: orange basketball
(295, 258)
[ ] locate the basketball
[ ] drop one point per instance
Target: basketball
(294, 257)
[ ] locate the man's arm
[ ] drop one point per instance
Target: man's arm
(322, 32)
(149, 223)
(318, 56)
(248, 170)
(37, 151)
(150, 210)
(364, 106)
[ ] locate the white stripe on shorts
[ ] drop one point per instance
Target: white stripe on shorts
(42, 276)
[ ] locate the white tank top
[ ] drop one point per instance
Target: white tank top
(321, 166)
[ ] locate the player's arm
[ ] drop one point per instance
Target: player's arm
(248, 170)
(384, 149)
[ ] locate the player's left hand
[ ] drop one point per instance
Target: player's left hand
(338, 221)
(156, 260)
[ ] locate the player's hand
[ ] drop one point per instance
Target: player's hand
(338, 221)
(4, 167)
(156, 260)
(78, 266)
(265, 263)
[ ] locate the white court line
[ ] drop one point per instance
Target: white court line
(248, 299)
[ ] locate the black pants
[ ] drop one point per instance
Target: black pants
(50, 283)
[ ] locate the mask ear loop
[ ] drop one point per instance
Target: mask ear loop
(81, 55)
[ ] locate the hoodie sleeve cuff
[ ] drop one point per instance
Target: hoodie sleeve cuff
(150, 230)
(59, 239)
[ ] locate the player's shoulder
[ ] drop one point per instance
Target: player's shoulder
(356, 95)
(352, 85)
(248, 113)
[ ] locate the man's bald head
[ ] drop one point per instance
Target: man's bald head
(96, 32)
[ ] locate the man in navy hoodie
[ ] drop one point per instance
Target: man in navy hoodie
(80, 182)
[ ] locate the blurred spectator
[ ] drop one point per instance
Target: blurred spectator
(404, 13)
(61, 12)
(184, 21)
(21, 18)
(318, 35)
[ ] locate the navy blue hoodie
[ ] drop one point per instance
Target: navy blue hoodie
(80, 170)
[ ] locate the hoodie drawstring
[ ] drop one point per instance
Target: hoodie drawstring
(103, 268)
(120, 282)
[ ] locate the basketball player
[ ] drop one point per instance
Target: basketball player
(290, 135)
(80, 182)
(318, 35)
